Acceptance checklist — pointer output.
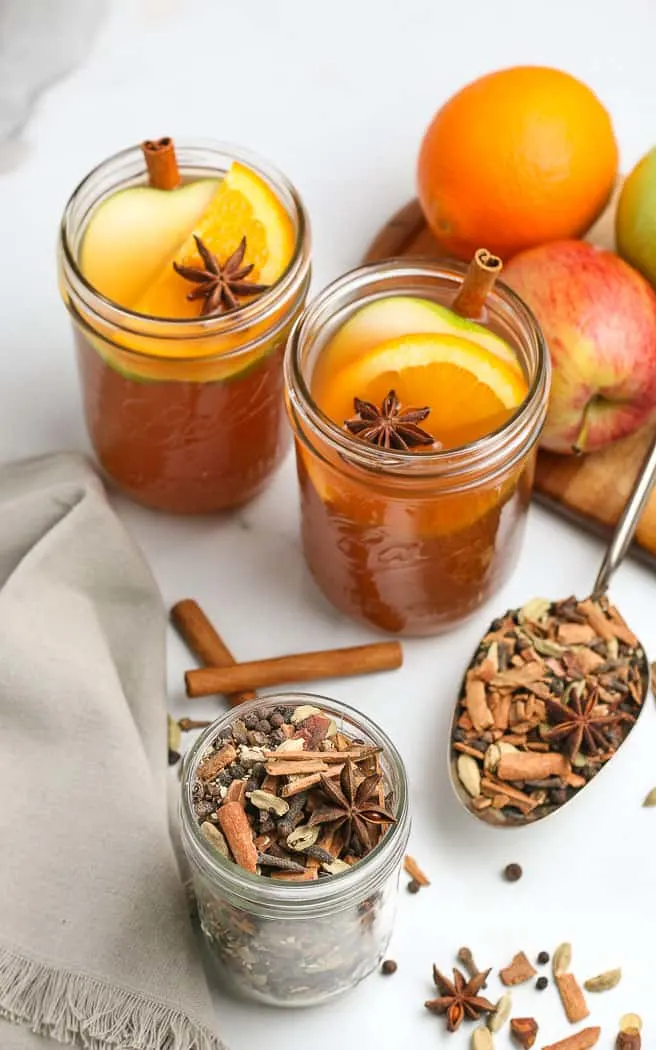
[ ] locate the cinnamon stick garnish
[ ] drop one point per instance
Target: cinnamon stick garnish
(162, 163)
(297, 667)
(205, 642)
(477, 285)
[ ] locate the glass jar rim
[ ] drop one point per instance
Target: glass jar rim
(507, 443)
(190, 153)
(260, 890)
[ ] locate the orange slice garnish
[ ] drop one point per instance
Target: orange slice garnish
(469, 389)
(243, 206)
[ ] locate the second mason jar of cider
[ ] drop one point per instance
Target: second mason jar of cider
(416, 431)
(183, 269)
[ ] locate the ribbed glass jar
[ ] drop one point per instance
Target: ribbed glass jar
(297, 943)
(412, 544)
(184, 415)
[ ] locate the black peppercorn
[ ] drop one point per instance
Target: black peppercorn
(512, 872)
(541, 983)
(543, 958)
(276, 718)
(263, 726)
(413, 886)
(250, 721)
(389, 967)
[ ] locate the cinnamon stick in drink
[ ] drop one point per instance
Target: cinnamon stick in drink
(162, 163)
(297, 667)
(477, 285)
(205, 642)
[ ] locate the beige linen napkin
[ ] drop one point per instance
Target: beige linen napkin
(96, 947)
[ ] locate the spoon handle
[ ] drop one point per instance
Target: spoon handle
(621, 539)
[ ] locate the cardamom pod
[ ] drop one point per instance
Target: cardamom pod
(271, 803)
(302, 837)
(469, 775)
(628, 1040)
(630, 1023)
(303, 712)
(174, 734)
(215, 838)
(336, 867)
(650, 800)
(534, 610)
(497, 1020)
(492, 758)
(603, 982)
(562, 959)
(482, 1039)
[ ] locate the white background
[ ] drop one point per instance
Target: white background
(338, 94)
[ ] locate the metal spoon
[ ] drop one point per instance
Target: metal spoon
(474, 779)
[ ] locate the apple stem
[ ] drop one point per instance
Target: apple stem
(578, 448)
(477, 284)
(162, 163)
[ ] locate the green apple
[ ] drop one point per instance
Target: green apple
(400, 315)
(133, 234)
(635, 222)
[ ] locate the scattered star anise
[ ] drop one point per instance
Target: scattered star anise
(220, 285)
(352, 804)
(578, 726)
(390, 426)
(459, 999)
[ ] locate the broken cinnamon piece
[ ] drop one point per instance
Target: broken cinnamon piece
(414, 871)
(476, 704)
(236, 792)
(582, 1040)
(572, 998)
(596, 619)
(355, 754)
(212, 766)
(237, 830)
(575, 634)
(464, 749)
(500, 706)
(517, 676)
(524, 1031)
(492, 787)
(305, 783)
(531, 765)
(518, 972)
(283, 769)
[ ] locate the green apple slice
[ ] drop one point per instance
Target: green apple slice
(132, 234)
(399, 315)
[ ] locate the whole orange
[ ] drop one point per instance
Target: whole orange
(516, 158)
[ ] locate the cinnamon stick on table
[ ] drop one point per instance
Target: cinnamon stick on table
(477, 285)
(298, 667)
(205, 642)
(162, 163)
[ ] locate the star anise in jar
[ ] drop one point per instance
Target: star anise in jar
(459, 999)
(390, 426)
(583, 724)
(220, 285)
(352, 804)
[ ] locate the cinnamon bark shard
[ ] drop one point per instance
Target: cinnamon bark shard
(524, 1031)
(532, 765)
(582, 1040)
(237, 830)
(572, 998)
(212, 766)
(518, 972)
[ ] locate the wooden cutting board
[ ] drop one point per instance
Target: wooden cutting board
(590, 490)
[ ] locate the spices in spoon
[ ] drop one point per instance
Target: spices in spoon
(553, 691)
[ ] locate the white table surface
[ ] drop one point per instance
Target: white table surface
(338, 95)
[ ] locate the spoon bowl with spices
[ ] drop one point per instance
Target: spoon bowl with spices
(552, 692)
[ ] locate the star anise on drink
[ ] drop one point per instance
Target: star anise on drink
(580, 725)
(352, 804)
(390, 426)
(220, 285)
(459, 999)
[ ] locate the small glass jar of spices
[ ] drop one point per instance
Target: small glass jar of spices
(295, 822)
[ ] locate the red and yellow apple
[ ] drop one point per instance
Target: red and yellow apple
(598, 316)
